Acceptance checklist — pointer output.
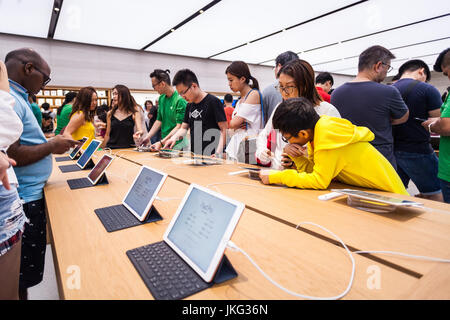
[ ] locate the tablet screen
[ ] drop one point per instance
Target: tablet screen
(88, 153)
(77, 148)
(200, 226)
(99, 168)
(143, 190)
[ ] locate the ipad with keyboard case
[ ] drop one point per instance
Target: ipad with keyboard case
(88, 153)
(200, 230)
(100, 168)
(143, 191)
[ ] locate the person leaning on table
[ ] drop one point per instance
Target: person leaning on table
(337, 149)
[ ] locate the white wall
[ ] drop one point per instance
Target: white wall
(76, 64)
(81, 65)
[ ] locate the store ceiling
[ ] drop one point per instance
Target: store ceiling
(329, 34)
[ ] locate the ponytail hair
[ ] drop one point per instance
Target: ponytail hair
(240, 69)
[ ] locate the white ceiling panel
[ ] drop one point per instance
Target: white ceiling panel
(233, 22)
(392, 39)
(127, 24)
(26, 17)
(363, 19)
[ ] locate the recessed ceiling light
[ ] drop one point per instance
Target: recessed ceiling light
(201, 11)
(56, 9)
(172, 30)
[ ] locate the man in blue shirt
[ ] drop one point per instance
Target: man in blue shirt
(415, 157)
(29, 73)
(368, 103)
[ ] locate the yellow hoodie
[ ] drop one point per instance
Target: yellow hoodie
(342, 151)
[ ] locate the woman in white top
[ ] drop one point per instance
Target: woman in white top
(12, 217)
(247, 118)
(296, 79)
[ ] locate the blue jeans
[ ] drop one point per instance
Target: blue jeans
(421, 168)
(445, 186)
(12, 216)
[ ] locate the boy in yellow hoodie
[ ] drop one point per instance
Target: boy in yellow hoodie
(336, 149)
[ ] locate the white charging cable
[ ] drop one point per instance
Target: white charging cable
(232, 246)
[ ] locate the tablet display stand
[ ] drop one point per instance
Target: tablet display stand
(369, 205)
(85, 183)
(225, 271)
(73, 167)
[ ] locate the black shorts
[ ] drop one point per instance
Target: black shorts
(34, 243)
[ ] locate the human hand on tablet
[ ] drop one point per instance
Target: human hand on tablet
(60, 145)
(264, 176)
(156, 146)
(287, 162)
(266, 156)
(169, 144)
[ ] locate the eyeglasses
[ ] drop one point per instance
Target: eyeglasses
(286, 139)
(389, 67)
(287, 89)
(46, 79)
(185, 91)
(154, 85)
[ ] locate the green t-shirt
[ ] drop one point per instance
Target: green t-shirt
(444, 146)
(37, 113)
(170, 113)
(63, 119)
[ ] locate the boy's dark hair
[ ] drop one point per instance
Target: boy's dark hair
(373, 55)
(228, 98)
(186, 77)
(285, 57)
(293, 115)
(442, 60)
(324, 77)
(45, 106)
(161, 75)
(46, 116)
(413, 65)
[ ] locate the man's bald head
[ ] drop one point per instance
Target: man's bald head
(28, 68)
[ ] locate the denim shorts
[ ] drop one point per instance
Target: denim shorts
(421, 168)
(12, 216)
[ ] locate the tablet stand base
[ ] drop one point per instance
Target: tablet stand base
(89, 165)
(74, 167)
(225, 271)
(61, 159)
(85, 183)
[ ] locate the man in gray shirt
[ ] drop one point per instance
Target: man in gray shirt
(368, 103)
(272, 96)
